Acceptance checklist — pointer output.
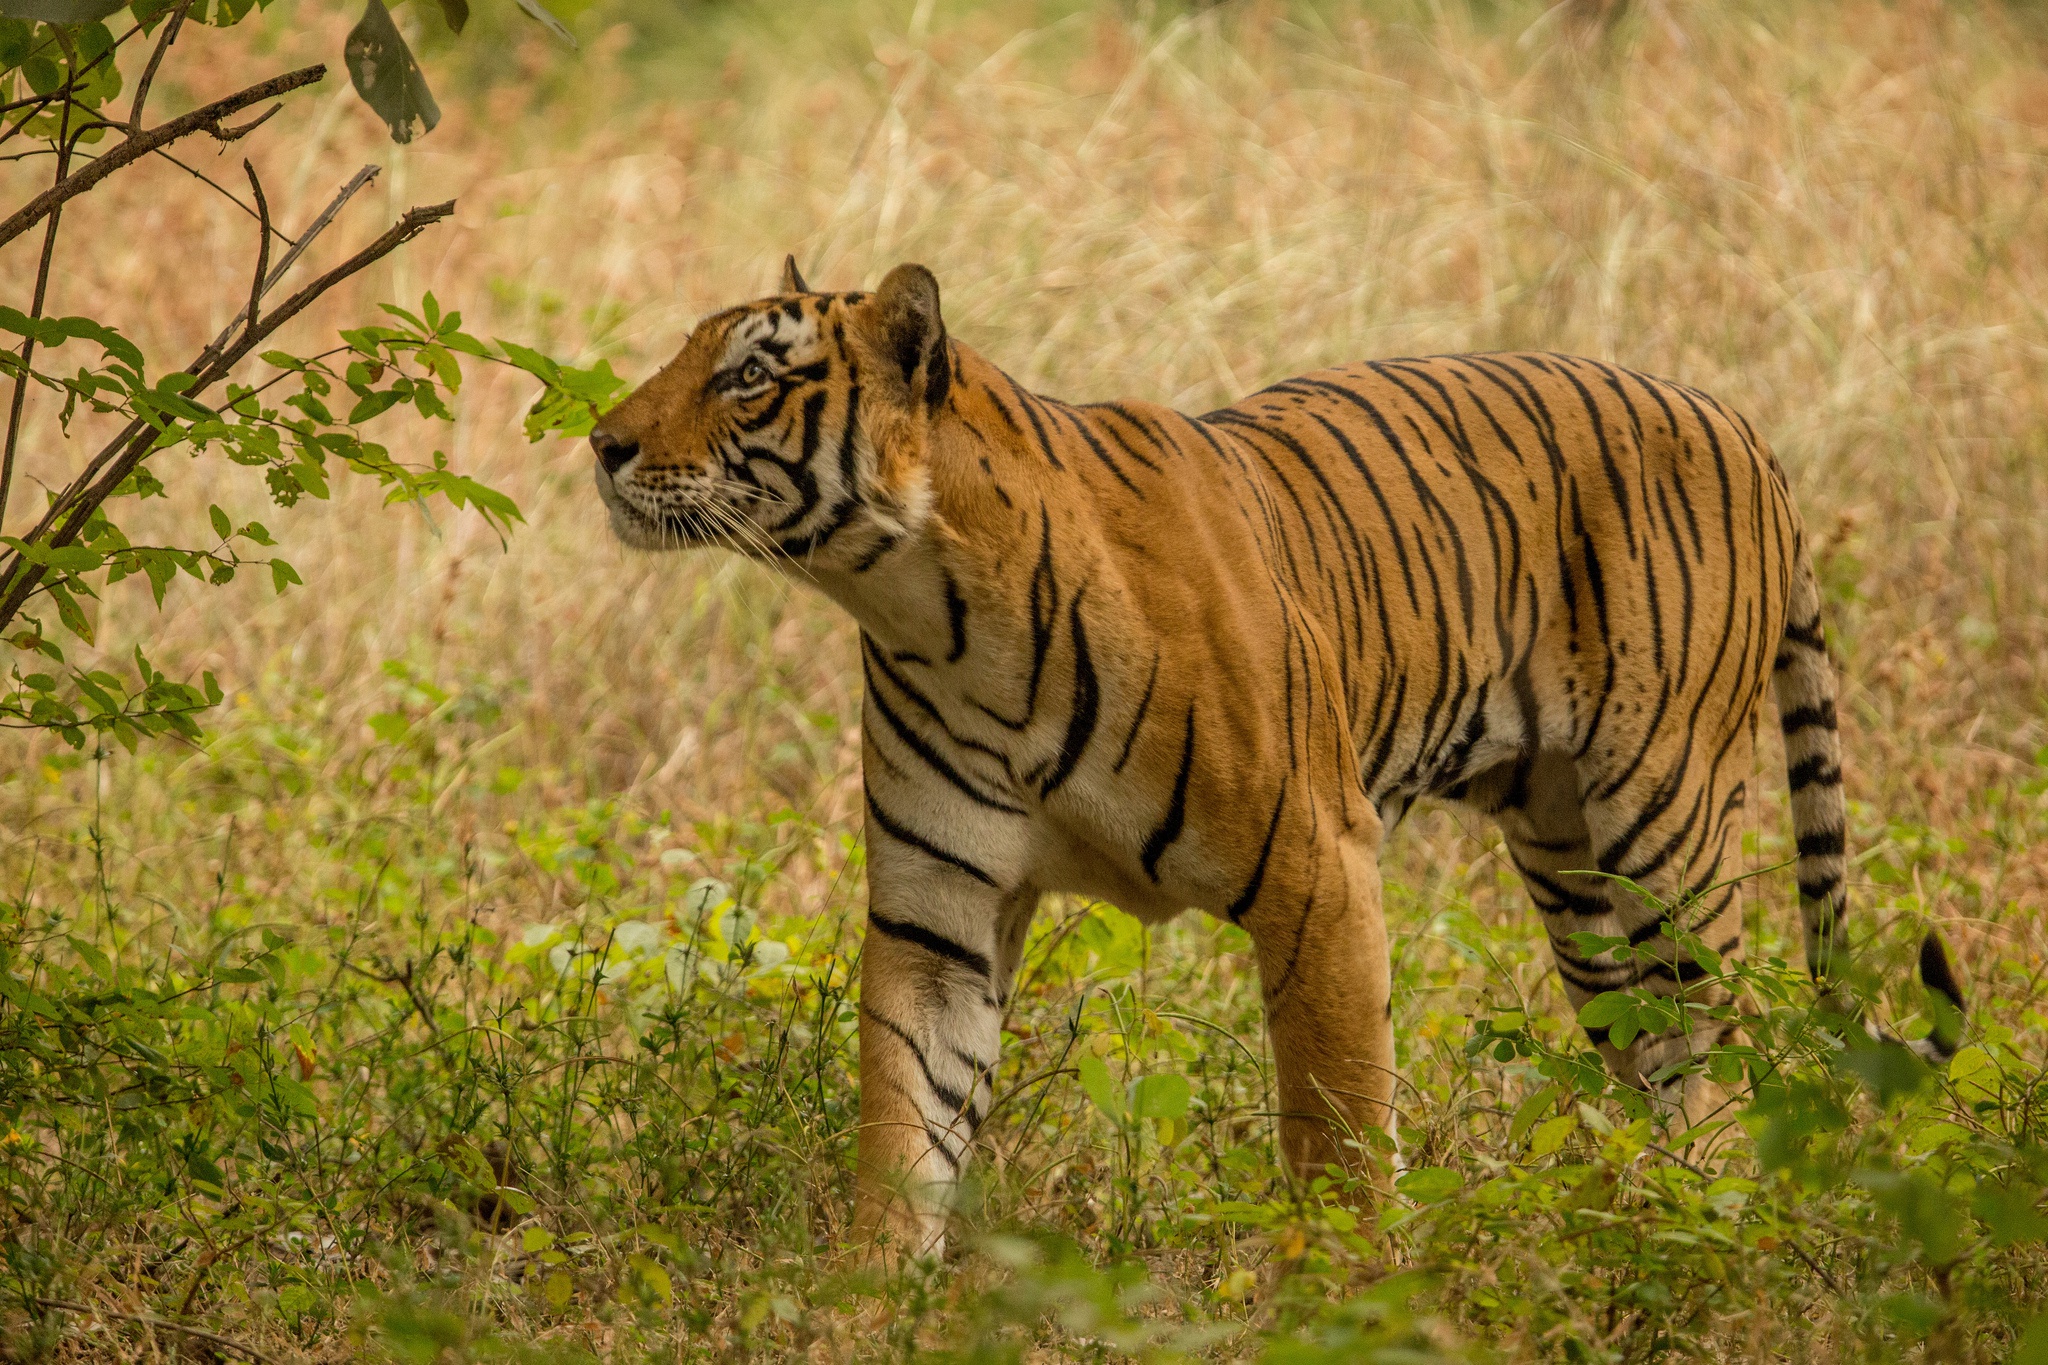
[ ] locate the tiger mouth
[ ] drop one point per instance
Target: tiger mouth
(680, 529)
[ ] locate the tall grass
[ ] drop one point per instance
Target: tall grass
(454, 774)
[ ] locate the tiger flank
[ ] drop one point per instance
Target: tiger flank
(1173, 661)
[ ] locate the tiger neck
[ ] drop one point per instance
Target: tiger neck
(954, 586)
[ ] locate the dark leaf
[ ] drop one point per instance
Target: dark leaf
(61, 11)
(456, 12)
(540, 15)
(387, 76)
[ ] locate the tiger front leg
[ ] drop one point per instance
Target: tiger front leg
(1322, 951)
(935, 973)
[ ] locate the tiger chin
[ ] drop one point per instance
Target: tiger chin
(1208, 662)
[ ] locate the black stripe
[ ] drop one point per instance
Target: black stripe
(1045, 607)
(1811, 771)
(1144, 703)
(1821, 844)
(956, 620)
(1087, 702)
(903, 834)
(903, 931)
(1935, 972)
(1820, 888)
(916, 744)
(1251, 890)
(1806, 717)
(1169, 829)
(960, 1104)
(1809, 634)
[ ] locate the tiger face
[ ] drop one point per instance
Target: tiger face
(791, 428)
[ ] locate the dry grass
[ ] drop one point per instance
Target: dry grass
(1831, 216)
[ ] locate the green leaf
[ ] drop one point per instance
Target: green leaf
(1160, 1097)
(1604, 1008)
(1529, 1110)
(283, 575)
(222, 527)
(69, 613)
(1430, 1184)
(1551, 1133)
(1095, 1080)
(2011, 1212)
(374, 404)
(540, 15)
(2033, 1347)
(387, 76)
(1890, 1070)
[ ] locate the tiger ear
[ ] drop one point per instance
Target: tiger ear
(792, 278)
(913, 334)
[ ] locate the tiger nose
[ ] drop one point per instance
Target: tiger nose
(612, 451)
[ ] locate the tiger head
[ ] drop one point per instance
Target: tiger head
(795, 427)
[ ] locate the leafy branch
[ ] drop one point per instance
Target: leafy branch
(75, 550)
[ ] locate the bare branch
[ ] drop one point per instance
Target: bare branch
(119, 459)
(156, 58)
(318, 226)
(213, 184)
(207, 117)
(257, 281)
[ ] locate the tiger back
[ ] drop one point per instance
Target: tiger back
(1208, 662)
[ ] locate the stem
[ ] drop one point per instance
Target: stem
(156, 58)
(256, 281)
(28, 344)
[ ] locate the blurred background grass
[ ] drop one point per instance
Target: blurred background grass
(1828, 214)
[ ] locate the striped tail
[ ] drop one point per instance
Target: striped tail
(1804, 680)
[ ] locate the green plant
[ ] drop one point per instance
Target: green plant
(75, 550)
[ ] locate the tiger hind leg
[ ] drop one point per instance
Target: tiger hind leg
(1543, 812)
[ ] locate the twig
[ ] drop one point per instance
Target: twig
(200, 1333)
(206, 117)
(119, 458)
(403, 979)
(28, 344)
(261, 277)
(209, 181)
(1815, 1267)
(156, 58)
(318, 226)
(1669, 1155)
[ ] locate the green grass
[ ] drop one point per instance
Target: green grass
(297, 1044)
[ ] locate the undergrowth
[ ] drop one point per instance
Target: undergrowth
(352, 1102)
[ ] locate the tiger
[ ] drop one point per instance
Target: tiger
(1170, 662)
